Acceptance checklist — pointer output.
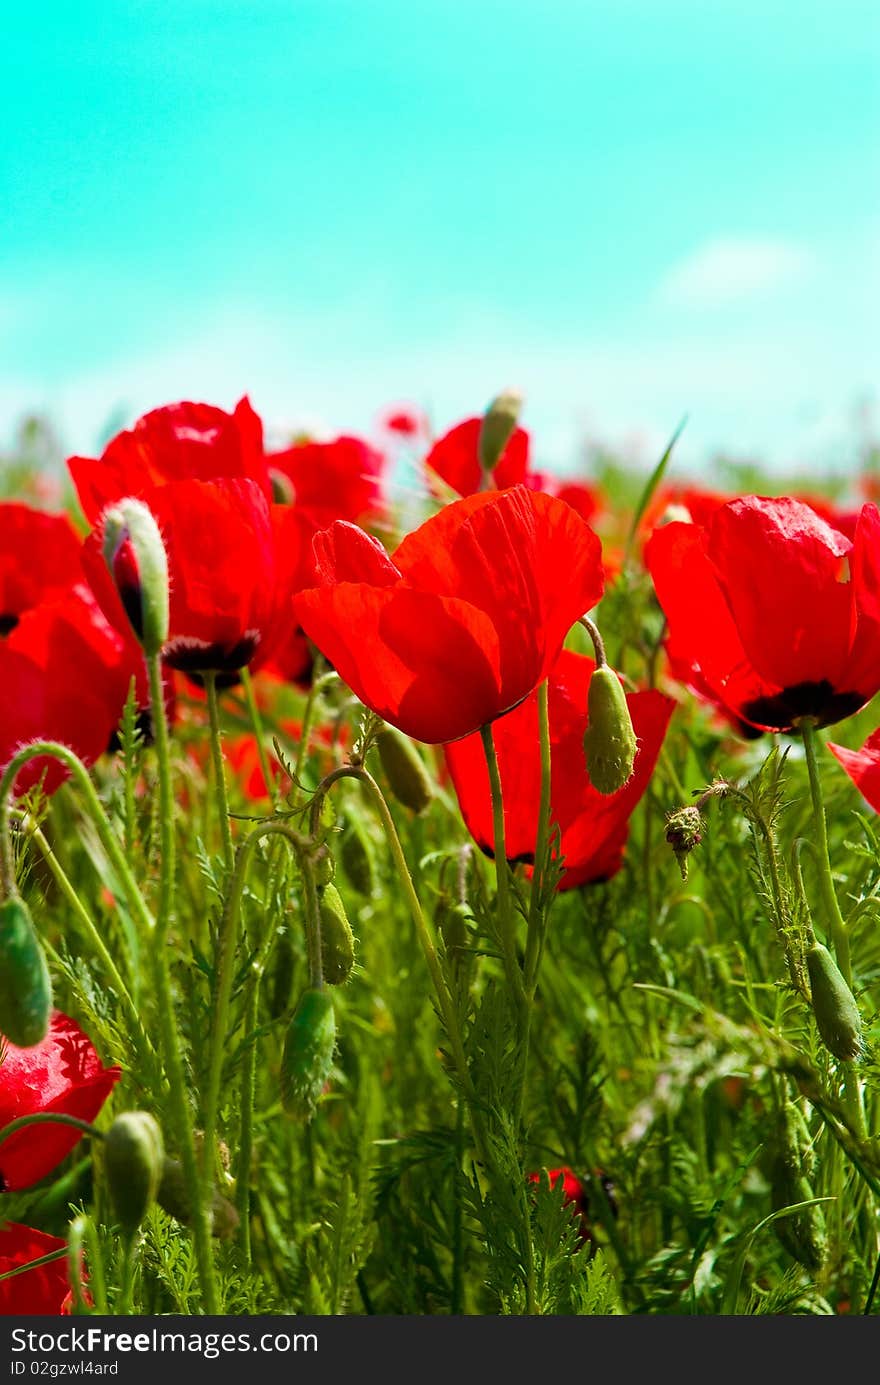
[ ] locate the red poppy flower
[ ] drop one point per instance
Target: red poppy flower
(464, 620)
(775, 613)
(221, 568)
(332, 480)
(455, 458)
(178, 442)
(62, 1074)
(863, 767)
(64, 676)
(44, 1290)
(580, 495)
(593, 826)
(405, 420)
(39, 560)
(285, 652)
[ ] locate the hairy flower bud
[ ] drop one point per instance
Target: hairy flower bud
(307, 1057)
(609, 741)
(497, 428)
(133, 1159)
(25, 987)
(135, 554)
(835, 1008)
(337, 939)
(404, 769)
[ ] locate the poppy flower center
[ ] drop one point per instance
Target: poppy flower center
(817, 700)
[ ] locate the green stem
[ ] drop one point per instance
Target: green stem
(171, 1045)
(106, 835)
(536, 919)
(506, 926)
(836, 925)
(49, 1118)
(30, 828)
(34, 1264)
(219, 771)
(257, 724)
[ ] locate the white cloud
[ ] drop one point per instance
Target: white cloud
(730, 270)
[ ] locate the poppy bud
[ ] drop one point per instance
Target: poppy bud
(307, 1056)
(497, 428)
(837, 1014)
(684, 831)
(337, 939)
(802, 1233)
(25, 987)
(452, 924)
(133, 1157)
(404, 769)
(324, 866)
(136, 557)
(359, 857)
(609, 741)
(173, 1197)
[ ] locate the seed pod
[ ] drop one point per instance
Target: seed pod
(404, 769)
(337, 939)
(609, 741)
(307, 1057)
(133, 1157)
(25, 987)
(837, 1014)
(358, 857)
(497, 428)
(173, 1197)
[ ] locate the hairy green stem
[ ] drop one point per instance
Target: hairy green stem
(536, 920)
(506, 925)
(219, 770)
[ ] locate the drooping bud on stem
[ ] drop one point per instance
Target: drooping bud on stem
(134, 1159)
(405, 770)
(135, 554)
(837, 1014)
(610, 743)
(25, 987)
(307, 1057)
(498, 426)
(684, 830)
(337, 939)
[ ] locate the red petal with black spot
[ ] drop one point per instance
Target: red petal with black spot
(62, 1074)
(773, 611)
(464, 620)
(39, 560)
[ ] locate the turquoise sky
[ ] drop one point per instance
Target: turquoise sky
(632, 209)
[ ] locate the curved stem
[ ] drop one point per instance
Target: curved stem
(106, 835)
(219, 770)
(598, 643)
(49, 1118)
(28, 826)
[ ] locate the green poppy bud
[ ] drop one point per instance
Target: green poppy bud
(497, 428)
(358, 857)
(307, 1057)
(609, 741)
(135, 554)
(837, 1014)
(337, 939)
(324, 866)
(452, 924)
(133, 1158)
(25, 987)
(405, 770)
